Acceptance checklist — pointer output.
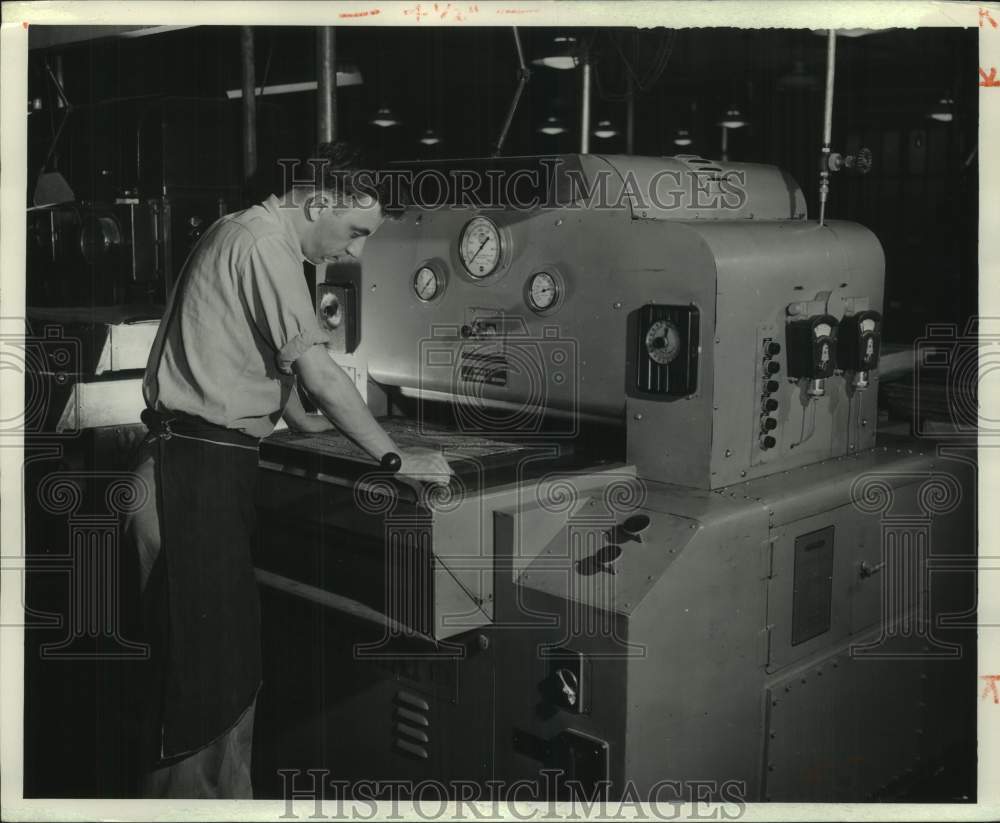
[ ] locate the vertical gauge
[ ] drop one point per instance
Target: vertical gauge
(543, 291)
(426, 283)
(480, 247)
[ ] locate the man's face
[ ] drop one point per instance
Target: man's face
(340, 233)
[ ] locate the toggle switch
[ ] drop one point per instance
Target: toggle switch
(565, 681)
(568, 685)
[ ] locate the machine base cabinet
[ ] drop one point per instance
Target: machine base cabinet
(792, 638)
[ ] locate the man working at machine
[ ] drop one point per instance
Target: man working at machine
(239, 329)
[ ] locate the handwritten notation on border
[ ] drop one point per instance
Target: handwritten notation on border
(989, 80)
(990, 689)
(366, 13)
(458, 12)
(984, 16)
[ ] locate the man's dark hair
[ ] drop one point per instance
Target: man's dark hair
(341, 169)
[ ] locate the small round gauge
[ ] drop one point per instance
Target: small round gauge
(330, 310)
(663, 342)
(426, 283)
(480, 247)
(543, 291)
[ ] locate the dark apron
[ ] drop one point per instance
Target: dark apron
(210, 628)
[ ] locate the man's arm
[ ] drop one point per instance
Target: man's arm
(338, 398)
(300, 420)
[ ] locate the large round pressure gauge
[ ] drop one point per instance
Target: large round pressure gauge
(480, 247)
(426, 283)
(543, 291)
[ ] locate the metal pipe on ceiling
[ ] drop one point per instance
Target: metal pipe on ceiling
(326, 85)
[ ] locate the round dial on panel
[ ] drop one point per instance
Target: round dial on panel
(663, 342)
(480, 247)
(543, 291)
(426, 283)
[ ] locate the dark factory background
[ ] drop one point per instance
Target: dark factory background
(150, 117)
(920, 197)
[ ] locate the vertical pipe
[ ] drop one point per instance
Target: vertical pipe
(249, 103)
(725, 143)
(326, 85)
(831, 55)
(630, 118)
(585, 108)
(824, 172)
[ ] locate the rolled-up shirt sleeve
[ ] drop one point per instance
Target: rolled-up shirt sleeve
(278, 300)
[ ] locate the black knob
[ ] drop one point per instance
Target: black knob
(466, 331)
(772, 367)
(772, 386)
(768, 442)
(769, 424)
(860, 163)
(635, 524)
(391, 462)
(771, 349)
(770, 404)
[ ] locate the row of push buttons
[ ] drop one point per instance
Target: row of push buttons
(769, 404)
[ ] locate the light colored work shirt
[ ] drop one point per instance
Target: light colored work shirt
(238, 318)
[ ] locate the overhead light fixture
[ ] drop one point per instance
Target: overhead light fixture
(682, 137)
(430, 138)
(348, 74)
(943, 111)
(733, 118)
(605, 130)
(552, 126)
(562, 54)
(384, 118)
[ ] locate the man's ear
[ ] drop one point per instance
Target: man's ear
(314, 205)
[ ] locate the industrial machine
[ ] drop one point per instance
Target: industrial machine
(675, 549)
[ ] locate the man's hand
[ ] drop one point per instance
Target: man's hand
(312, 423)
(424, 465)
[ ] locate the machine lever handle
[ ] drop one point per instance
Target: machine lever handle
(867, 571)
